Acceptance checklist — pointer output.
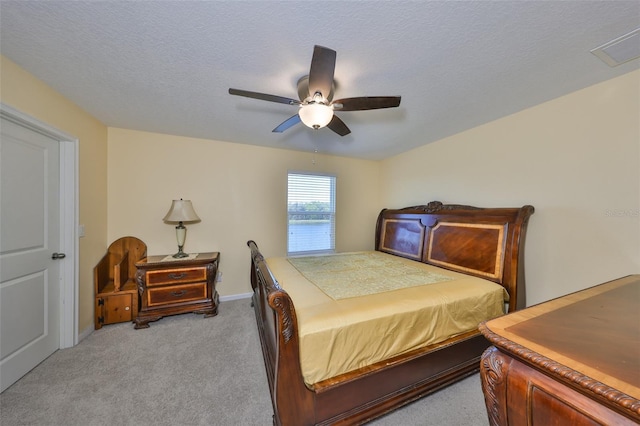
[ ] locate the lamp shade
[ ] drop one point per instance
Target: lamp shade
(315, 115)
(181, 211)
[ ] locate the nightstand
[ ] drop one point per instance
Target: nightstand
(169, 286)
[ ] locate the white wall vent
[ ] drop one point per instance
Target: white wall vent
(621, 50)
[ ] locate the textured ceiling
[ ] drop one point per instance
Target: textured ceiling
(166, 66)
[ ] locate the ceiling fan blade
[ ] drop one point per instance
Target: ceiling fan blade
(323, 64)
(366, 102)
(264, 97)
(289, 122)
(338, 126)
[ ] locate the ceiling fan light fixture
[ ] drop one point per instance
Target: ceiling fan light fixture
(315, 115)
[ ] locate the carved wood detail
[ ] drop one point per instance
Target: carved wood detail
(286, 321)
(277, 298)
(140, 274)
(493, 371)
(436, 206)
(563, 372)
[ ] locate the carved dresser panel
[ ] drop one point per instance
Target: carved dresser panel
(573, 360)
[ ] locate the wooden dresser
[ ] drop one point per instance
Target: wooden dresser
(169, 287)
(574, 360)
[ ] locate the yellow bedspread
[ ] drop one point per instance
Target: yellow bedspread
(337, 336)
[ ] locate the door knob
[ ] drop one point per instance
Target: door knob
(58, 256)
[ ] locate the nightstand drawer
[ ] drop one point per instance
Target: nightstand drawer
(176, 294)
(175, 276)
(171, 287)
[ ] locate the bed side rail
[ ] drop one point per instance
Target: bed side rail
(278, 330)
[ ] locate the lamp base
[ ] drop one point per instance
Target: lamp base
(180, 254)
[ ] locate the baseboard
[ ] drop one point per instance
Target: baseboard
(85, 333)
(236, 297)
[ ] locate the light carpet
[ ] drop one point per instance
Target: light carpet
(185, 370)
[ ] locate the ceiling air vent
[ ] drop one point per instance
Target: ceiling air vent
(621, 50)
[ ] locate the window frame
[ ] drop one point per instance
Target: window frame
(331, 213)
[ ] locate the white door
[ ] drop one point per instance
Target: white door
(29, 237)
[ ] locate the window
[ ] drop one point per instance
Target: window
(311, 207)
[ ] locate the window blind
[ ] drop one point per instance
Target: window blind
(311, 209)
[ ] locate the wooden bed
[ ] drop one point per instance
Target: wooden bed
(483, 242)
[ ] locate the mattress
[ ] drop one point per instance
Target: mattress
(342, 333)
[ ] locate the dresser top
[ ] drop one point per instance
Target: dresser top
(168, 260)
(594, 332)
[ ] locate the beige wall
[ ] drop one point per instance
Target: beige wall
(27, 94)
(576, 159)
(239, 192)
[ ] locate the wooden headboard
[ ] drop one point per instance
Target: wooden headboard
(484, 242)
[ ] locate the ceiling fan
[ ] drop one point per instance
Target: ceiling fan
(316, 104)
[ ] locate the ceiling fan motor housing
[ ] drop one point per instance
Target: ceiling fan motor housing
(303, 89)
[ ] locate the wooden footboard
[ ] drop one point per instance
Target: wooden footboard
(278, 330)
(362, 395)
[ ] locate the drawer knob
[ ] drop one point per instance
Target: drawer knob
(179, 293)
(177, 276)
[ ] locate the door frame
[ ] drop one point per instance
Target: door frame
(69, 271)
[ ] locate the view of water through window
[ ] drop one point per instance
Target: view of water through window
(311, 213)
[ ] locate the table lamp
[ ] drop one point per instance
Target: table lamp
(181, 211)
